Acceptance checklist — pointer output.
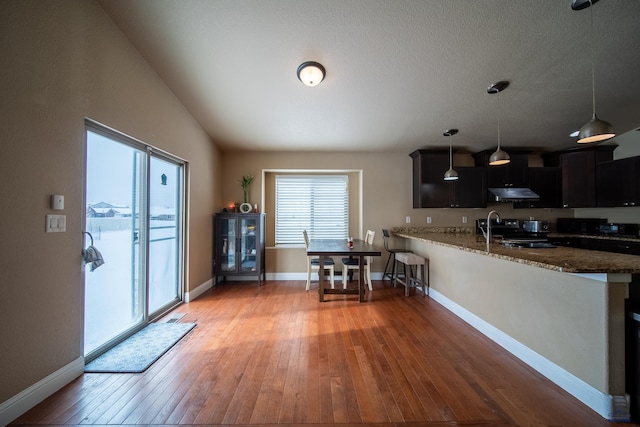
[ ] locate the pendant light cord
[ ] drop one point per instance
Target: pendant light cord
(593, 73)
(498, 121)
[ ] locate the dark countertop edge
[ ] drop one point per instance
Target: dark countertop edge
(558, 268)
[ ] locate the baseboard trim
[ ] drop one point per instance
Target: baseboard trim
(613, 408)
(190, 296)
(30, 397)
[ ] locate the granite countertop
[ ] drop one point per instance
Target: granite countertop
(563, 259)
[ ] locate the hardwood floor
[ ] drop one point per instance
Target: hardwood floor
(274, 355)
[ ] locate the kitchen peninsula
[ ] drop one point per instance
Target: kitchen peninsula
(560, 310)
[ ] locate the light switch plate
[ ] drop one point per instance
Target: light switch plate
(56, 224)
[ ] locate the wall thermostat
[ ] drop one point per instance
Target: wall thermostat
(57, 202)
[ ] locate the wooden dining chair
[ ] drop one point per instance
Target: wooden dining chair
(351, 263)
(313, 264)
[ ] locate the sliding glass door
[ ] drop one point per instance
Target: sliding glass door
(165, 221)
(134, 198)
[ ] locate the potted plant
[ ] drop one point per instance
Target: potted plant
(245, 182)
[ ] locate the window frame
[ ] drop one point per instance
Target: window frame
(267, 199)
(315, 192)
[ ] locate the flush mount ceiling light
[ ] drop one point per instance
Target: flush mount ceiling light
(499, 157)
(451, 174)
(311, 73)
(595, 130)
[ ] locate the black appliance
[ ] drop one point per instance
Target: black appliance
(512, 194)
(579, 225)
(516, 233)
(618, 229)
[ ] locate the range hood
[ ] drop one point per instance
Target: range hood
(510, 194)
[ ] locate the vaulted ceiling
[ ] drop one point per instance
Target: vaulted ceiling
(399, 72)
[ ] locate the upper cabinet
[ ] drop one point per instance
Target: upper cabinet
(513, 174)
(430, 190)
(546, 182)
(618, 182)
(578, 168)
(584, 177)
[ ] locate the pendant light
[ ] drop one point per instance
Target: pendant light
(451, 174)
(595, 130)
(499, 157)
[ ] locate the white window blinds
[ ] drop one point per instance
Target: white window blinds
(316, 203)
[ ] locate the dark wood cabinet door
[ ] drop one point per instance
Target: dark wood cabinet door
(430, 190)
(470, 190)
(617, 182)
(579, 173)
(513, 174)
(546, 182)
(578, 179)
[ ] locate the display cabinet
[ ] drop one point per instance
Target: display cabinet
(238, 245)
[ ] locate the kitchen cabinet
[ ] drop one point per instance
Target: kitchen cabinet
(618, 182)
(620, 246)
(546, 182)
(470, 190)
(430, 190)
(513, 174)
(239, 245)
(578, 168)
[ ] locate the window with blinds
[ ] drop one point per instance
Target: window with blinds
(316, 203)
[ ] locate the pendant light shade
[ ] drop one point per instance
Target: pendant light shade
(451, 174)
(595, 130)
(311, 73)
(499, 157)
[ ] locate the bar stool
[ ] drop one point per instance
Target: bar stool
(421, 278)
(391, 259)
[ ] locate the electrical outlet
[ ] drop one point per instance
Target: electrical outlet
(408, 220)
(428, 220)
(464, 220)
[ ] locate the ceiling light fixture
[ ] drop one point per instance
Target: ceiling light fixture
(311, 73)
(499, 157)
(451, 174)
(595, 130)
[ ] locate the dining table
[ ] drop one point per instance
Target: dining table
(339, 248)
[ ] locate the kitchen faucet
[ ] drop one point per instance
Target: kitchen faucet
(488, 235)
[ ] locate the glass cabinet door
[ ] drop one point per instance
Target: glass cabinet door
(228, 250)
(248, 244)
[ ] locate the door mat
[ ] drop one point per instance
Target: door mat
(138, 352)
